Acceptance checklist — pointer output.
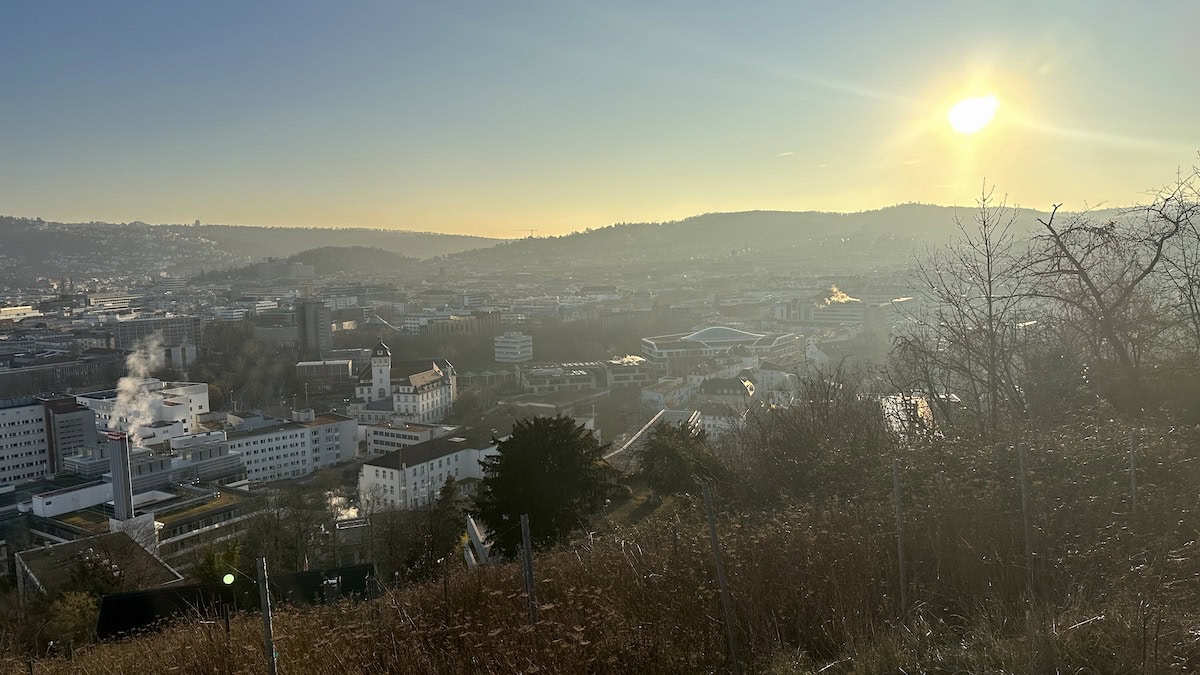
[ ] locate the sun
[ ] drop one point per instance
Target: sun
(971, 115)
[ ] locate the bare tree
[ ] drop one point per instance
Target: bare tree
(964, 337)
(1106, 290)
(1179, 205)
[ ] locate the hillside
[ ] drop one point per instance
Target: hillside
(338, 259)
(814, 582)
(32, 247)
(885, 235)
(282, 242)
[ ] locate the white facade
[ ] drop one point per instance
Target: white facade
(332, 438)
(171, 407)
(18, 313)
(411, 477)
(384, 438)
(291, 449)
(24, 448)
(273, 453)
(56, 503)
(513, 348)
(417, 392)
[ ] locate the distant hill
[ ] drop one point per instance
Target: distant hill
(336, 259)
(31, 247)
(894, 230)
(283, 242)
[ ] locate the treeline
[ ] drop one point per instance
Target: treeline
(1014, 327)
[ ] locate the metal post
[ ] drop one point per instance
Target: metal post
(726, 601)
(899, 536)
(530, 590)
(264, 600)
(1025, 519)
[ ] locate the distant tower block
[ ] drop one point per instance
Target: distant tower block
(513, 348)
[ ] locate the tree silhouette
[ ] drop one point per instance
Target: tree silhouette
(676, 459)
(549, 468)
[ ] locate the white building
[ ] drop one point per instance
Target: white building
(24, 448)
(420, 391)
(171, 409)
(386, 437)
(513, 348)
(36, 433)
(716, 341)
(19, 312)
(411, 477)
(280, 449)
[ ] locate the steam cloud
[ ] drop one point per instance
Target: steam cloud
(133, 403)
(838, 296)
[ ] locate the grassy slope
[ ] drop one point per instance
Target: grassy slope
(814, 586)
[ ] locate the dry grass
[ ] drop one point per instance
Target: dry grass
(814, 586)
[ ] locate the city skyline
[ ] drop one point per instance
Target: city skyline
(567, 116)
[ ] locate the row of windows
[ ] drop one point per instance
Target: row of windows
(26, 432)
(22, 444)
(38, 420)
(27, 453)
(27, 475)
(25, 465)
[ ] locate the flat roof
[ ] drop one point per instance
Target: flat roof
(463, 439)
(222, 500)
(53, 566)
(325, 418)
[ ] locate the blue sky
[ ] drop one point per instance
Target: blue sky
(482, 118)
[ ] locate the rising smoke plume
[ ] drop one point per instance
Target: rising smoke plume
(838, 296)
(133, 402)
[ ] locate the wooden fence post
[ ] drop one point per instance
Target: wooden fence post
(899, 536)
(1132, 472)
(1025, 519)
(726, 601)
(527, 566)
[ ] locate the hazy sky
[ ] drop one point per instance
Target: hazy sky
(490, 118)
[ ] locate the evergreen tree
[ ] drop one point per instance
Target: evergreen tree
(676, 459)
(549, 468)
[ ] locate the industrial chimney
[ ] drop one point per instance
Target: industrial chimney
(121, 479)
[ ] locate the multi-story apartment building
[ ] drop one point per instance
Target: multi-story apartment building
(37, 432)
(385, 437)
(279, 449)
(172, 330)
(24, 449)
(409, 478)
(314, 329)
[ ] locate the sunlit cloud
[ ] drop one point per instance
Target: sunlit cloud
(789, 153)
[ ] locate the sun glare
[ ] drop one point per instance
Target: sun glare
(971, 115)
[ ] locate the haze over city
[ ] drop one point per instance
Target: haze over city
(556, 117)
(599, 337)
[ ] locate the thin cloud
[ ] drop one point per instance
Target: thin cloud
(1103, 137)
